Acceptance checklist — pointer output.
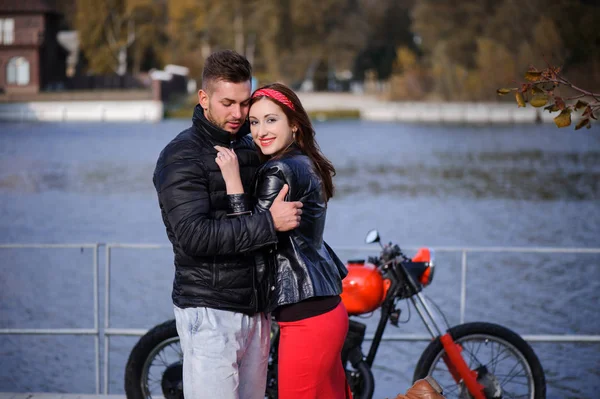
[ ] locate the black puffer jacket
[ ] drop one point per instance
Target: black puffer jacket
(214, 263)
(304, 265)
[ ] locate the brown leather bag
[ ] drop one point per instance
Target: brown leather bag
(427, 388)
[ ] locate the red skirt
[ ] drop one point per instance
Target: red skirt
(310, 364)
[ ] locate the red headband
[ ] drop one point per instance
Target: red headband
(274, 94)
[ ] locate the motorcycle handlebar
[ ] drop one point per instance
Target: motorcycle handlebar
(391, 251)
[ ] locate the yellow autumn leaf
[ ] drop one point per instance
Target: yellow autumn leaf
(582, 123)
(533, 76)
(536, 90)
(503, 91)
(539, 100)
(564, 118)
(580, 104)
(520, 99)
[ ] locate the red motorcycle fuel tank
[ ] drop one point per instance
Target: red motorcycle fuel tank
(364, 288)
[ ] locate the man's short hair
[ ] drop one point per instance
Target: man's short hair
(225, 65)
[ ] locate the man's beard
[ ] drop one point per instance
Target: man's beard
(222, 125)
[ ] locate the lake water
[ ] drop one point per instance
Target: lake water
(464, 186)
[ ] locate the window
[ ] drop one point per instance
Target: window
(17, 71)
(7, 30)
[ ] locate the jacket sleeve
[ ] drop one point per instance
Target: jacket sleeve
(182, 188)
(239, 204)
(268, 185)
(269, 182)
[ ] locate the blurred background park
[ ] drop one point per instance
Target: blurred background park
(412, 49)
(417, 50)
(82, 243)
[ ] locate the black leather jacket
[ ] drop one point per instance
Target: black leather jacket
(304, 265)
(214, 259)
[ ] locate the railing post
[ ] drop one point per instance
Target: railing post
(106, 316)
(463, 286)
(97, 316)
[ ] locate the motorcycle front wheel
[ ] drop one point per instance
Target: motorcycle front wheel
(155, 365)
(507, 366)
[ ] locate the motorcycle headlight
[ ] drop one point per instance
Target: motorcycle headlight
(426, 256)
(427, 276)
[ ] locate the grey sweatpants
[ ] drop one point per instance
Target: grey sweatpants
(225, 354)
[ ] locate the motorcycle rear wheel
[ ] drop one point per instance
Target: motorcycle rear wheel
(154, 368)
(509, 361)
(361, 381)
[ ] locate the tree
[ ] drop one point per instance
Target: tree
(388, 28)
(462, 42)
(324, 35)
(108, 28)
(492, 59)
(448, 32)
(189, 31)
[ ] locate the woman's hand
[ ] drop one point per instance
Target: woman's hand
(228, 163)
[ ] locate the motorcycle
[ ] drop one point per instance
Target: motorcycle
(470, 361)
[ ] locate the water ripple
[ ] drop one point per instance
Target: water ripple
(522, 175)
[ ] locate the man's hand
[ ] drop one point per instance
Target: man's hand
(286, 215)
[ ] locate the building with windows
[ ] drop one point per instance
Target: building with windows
(31, 58)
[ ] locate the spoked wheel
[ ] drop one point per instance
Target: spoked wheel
(155, 365)
(506, 365)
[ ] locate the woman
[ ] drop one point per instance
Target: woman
(305, 297)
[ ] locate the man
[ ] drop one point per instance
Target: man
(218, 291)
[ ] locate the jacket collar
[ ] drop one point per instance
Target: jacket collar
(291, 151)
(216, 134)
(295, 149)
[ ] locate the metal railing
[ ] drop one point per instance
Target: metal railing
(95, 331)
(108, 331)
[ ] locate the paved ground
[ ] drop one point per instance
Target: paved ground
(10, 395)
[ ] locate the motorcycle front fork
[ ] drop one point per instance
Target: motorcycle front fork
(461, 373)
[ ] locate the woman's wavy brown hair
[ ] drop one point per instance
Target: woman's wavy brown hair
(304, 136)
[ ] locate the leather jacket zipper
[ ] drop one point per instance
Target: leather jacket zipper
(256, 299)
(214, 272)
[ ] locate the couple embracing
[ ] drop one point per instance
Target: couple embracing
(243, 194)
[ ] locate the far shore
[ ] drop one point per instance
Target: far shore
(137, 105)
